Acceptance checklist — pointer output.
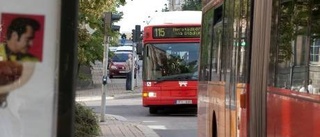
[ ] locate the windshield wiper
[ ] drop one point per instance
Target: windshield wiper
(159, 80)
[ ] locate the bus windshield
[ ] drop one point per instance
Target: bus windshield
(171, 61)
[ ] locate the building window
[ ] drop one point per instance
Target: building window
(314, 51)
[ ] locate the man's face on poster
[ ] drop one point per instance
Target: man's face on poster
(25, 41)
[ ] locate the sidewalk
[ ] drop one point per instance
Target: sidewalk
(117, 126)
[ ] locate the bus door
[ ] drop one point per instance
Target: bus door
(223, 60)
(226, 52)
(231, 38)
(223, 51)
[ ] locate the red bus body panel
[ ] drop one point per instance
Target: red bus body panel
(289, 114)
(147, 37)
(297, 113)
(168, 92)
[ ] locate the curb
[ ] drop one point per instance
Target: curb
(92, 98)
(119, 96)
(128, 95)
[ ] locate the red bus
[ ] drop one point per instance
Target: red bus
(170, 60)
(259, 70)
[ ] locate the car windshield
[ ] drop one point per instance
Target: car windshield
(171, 61)
(120, 57)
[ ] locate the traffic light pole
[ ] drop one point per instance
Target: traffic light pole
(135, 38)
(134, 80)
(132, 70)
(136, 61)
(104, 78)
(108, 19)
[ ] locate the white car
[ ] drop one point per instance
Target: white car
(124, 49)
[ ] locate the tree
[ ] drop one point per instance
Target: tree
(90, 16)
(192, 5)
(297, 18)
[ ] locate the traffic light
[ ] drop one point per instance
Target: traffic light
(123, 36)
(137, 33)
(115, 28)
(133, 33)
(138, 39)
(109, 18)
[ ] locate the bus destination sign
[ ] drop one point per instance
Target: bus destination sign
(176, 32)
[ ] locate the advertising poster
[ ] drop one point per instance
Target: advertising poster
(29, 44)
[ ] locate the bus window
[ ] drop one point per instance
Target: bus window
(206, 44)
(169, 60)
(295, 43)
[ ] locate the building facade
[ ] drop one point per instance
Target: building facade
(175, 5)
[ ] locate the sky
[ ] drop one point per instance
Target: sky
(137, 11)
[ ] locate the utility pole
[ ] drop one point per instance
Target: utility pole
(136, 39)
(133, 66)
(108, 19)
(104, 78)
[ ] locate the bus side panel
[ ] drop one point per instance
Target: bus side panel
(203, 103)
(292, 114)
(217, 106)
(237, 115)
(243, 122)
(244, 110)
(169, 92)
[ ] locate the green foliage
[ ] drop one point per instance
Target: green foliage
(192, 5)
(297, 18)
(286, 33)
(86, 122)
(90, 13)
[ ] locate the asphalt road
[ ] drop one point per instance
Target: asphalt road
(168, 123)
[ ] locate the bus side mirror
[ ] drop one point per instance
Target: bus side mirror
(139, 48)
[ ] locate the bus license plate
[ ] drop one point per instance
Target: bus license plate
(184, 102)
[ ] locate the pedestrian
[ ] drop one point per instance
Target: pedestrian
(310, 87)
(19, 38)
(128, 67)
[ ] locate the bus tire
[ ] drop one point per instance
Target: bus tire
(153, 110)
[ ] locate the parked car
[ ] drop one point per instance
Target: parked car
(113, 49)
(117, 65)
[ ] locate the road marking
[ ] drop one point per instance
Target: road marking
(157, 127)
(148, 121)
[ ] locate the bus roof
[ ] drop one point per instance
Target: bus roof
(176, 17)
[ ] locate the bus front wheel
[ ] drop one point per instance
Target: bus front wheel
(153, 110)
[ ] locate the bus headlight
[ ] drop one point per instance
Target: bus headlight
(150, 94)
